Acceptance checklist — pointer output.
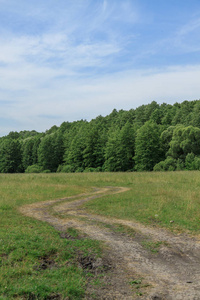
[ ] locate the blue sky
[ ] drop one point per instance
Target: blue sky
(65, 60)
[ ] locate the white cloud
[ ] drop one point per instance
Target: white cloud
(105, 4)
(69, 62)
(87, 98)
(189, 27)
(131, 89)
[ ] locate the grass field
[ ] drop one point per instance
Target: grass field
(26, 245)
(170, 199)
(35, 263)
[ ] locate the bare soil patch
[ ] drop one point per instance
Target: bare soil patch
(153, 263)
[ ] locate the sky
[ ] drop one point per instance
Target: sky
(66, 60)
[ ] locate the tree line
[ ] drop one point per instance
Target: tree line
(157, 137)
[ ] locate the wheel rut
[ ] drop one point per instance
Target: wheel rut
(171, 268)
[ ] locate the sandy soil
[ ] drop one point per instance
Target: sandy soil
(172, 272)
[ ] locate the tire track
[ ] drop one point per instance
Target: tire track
(174, 272)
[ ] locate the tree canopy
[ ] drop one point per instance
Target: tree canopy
(156, 137)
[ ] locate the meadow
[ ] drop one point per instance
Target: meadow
(36, 263)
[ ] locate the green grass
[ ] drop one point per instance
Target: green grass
(35, 263)
(117, 228)
(153, 246)
(25, 243)
(155, 199)
(137, 285)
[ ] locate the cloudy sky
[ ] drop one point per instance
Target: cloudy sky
(65, 60)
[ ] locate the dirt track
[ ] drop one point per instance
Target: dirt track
(173, 272)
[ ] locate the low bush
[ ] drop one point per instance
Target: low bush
(34, 169)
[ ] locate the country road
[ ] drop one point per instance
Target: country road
(172, 271)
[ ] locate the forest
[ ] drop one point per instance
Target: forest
(152, 137)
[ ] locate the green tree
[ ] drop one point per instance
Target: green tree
(36, 143)
(168, 112)
(14, 135)
(166, 137)
(189, 161)
(119, 150)
(27, 155)
(147, 147)
(196, 115)
(150, 110)
(50, 151)
(74, 154)
(186, 109)
(10, 156)
(185, 140)
(93, 153)
(140, 115)
(112, 159)
(127, 147)
(156, 116)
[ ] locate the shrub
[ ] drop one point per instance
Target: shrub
(34, 169)
(65, 169)
(46, 171)
(192, 162)
(79, 170)
(159, 167)
(169, 164)
(197, 162)
(189, 161)
(180, 165)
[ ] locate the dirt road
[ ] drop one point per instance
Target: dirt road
(168, 264)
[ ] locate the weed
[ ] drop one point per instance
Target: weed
(124, 229)
(138, 286)
(152, 246)
(136, 282)
(118, 228)
(73, 232)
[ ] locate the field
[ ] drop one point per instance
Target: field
(36, 263)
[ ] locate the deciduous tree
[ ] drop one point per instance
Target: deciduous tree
(147, 147)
